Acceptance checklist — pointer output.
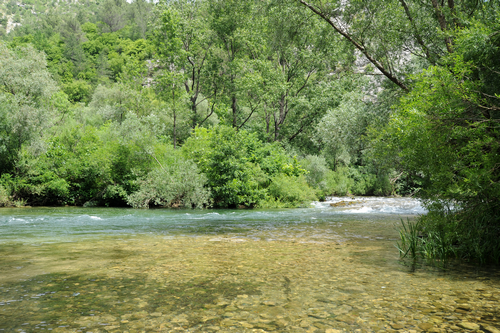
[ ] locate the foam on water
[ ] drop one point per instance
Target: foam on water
(372, 205)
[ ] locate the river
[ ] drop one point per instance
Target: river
(321, 269)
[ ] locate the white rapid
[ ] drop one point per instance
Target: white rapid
(372, 205)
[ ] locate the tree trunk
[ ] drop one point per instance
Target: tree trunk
(235, 112)
(174, 134)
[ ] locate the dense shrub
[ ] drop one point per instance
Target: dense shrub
(317, 169)
(4, 197)
(292, 191)
(175, 185)
(357, 181)
(81, 164)
(338, 182)
(239, 167)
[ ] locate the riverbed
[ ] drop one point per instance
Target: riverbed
(327, 268)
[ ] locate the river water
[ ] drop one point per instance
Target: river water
(329, 268)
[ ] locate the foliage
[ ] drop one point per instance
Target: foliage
(175, 185)
(447, 131)
(341, 130)
(77, 91)
(356, 181)
(4, 197)
(387, 33)
(74, 169)
(410, 241)
(316, 168)
(292, 191)
(443, 234)
(26, 88)
(239, 167)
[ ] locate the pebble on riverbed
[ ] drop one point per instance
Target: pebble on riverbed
(254, 286)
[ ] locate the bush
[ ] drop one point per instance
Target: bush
(317, 170)
(4, 197)
(362, 181)
(383, 186)
(175, 185)
(292, 191)
(238, 166)
(338, 182)
(356, 181)
(78, 165)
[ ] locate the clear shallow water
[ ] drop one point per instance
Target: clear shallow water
(71, 223)
(319, 269)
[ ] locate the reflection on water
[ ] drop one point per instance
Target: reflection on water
(325, 269)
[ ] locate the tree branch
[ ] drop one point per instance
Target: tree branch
(443, 25)
(360, 47)
(417, 35)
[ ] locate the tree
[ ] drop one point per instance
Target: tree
(26, 88)
(447, 131)
(183, 42)
(391, 34)
(340, 132)
(295, 69)
(229, 21)
(73, 37)
(139, 13)
(112, 15)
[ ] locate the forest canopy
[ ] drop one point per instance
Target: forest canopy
(275, 103)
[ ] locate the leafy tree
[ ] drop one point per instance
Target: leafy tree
(446, 130)
(112, 15)
(78, 90)
(183, 42)
(73, 36)
(387, 33)
(341, 130)
(139, 13)
(26, 89)
(295, 71)
(229, 22)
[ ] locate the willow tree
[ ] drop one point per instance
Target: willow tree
(27, 96)
(393, 34)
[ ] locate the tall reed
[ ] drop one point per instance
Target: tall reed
(411, 242)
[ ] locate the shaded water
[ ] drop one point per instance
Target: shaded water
(322, 269)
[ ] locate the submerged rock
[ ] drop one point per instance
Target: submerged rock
(344, 203)
(468, 325)
(490, 329)
(425, 326)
